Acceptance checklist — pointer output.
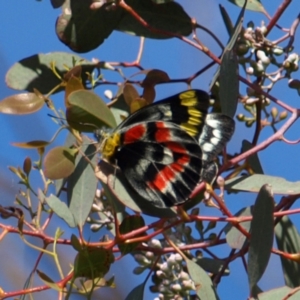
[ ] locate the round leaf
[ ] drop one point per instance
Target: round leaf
(254, 5)
(92, 263)
(21, 104)
(130, 93)
(35, 71)
(59, 163)
(87, 112)
(169, 17)
(83, 29)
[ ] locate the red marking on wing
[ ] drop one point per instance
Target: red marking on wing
(176, 147)
(184, 160)
(162, 178)
(168, 173)
(134, 134)
(162, 134)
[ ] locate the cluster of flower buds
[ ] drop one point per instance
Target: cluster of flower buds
(257, 54)
(170, 280)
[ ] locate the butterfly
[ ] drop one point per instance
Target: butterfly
(165, 149)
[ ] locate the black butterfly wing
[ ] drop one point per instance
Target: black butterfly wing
(160, 161)
(187, 109)
(216, 133)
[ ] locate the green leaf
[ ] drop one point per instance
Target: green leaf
(129, 224)
(92, 262)
(203, 283)
(88, 112)
(137, 293)
(21, 104)
(212, 265)
(169, 17)
(275, 294)
(57, 3)
(59, 183)
(288, 240)
(90, 286)
(60, 208)
(83, 29)
(253, 160)
(48, 281)
(252, 183)
(227, 73)
(119, 107)
(254, 5)
(229, 83)
(262, 231)
(75, 243)
(227, 20)
(234, 237)
(81, 185)
(59, 162)
(229, 80)
(35, 71)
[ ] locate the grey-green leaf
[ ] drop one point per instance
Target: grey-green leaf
(253, 160)
(82, 186)
(83, 29)
(61, 209)
(254, 5)
(288, 240)
(252, 183)
(87, 111)
(169, 17)
(212, 265)
(262, 232)
(234, 237)
(229, 83)
(35, 71)
(203, 283)
(137, 293)
(227, 73)
(279, 293)
(226, 20)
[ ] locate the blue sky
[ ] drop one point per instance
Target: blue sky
(27, 29)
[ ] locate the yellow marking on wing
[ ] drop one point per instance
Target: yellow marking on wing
(187, 94)
(189, 101)
(194, 121)
(190, 129)
(109, 145)
(188, 98)
(194, 112)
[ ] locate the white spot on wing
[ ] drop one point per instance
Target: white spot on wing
(217, 133)
(207, 147)
(204, 156)
(213, 123)
(215, 141)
